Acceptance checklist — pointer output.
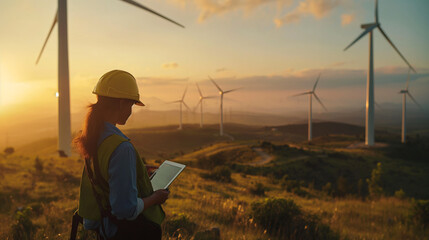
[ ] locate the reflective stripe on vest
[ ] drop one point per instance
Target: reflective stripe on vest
(88, 207)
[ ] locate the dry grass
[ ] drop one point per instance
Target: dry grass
(54, 196)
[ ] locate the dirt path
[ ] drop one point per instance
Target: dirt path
(264, 157)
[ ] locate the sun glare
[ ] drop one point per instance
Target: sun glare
(11, 91)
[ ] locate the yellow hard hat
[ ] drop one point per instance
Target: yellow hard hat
(118, 84)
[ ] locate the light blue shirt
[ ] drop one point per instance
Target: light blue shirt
(123, 194)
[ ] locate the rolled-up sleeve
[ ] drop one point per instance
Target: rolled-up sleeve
(123, 194)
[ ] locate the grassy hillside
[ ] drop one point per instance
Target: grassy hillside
(229, 177)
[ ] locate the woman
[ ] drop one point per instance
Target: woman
(116, 196)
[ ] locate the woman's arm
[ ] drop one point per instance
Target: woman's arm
(158, 197)
(123, 194)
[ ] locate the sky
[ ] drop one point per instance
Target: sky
(271, 48)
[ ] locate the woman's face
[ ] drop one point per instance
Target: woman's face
(125, 110)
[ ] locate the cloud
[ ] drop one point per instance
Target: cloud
(156, 81)
(170, 65)
(331, 78)
(346, 19)
(209, 8)
(316, 8)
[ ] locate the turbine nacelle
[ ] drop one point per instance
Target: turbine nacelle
(368, 25)
(313, 93)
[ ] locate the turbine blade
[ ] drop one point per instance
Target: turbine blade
(199, 90)
(314, 87)
(300, 94)
(178, 101)
(377, 105)
(198, 104)
(414, 100)
(232, 90)
(369, 29)
(317, 98)
(47, 38)
(215, 84)
(209, 97)
(152, 11)
(184, 93)
(396, 49)
(186, 105)
(376, 11)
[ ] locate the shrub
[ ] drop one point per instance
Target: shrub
(289, 184)
(257, 189)
(342, 186)
(420, 212)
(38, 165)
(212, 234)
(275, 214)
(23, 228)
(327, 188)
(36, 208)
(180, 224)
(267, 146)
(219, 173)
(283, 218)
(9, 150)
(211, 161)
(374, 184)
(400, 194)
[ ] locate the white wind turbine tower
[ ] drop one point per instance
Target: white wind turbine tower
(369, 27)
(181, 101)
(310, 107)
(221, 93)
(200, 102)
(63, 94)
(405, 92)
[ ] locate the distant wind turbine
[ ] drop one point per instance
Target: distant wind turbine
(200, 103)
(369, 27)
(181, 101)
(404, 93)
(310, 114)
(221, 93)
(64, 128)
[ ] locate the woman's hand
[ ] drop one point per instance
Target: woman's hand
(157, 197)
(161, 196)
(151, 169)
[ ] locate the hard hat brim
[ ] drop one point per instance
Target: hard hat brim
(139, 103)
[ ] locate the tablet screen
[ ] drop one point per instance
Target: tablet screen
(165, 175)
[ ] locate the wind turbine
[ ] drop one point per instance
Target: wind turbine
(200, 102)
(405, 92)
(369, 27)
(181, 101)
(64, 128)
(310, 114)
(221, 93)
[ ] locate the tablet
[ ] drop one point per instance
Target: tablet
(165, 174)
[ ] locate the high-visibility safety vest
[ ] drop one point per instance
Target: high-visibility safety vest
(88, 207)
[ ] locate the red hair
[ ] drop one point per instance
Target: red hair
(86, 142)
